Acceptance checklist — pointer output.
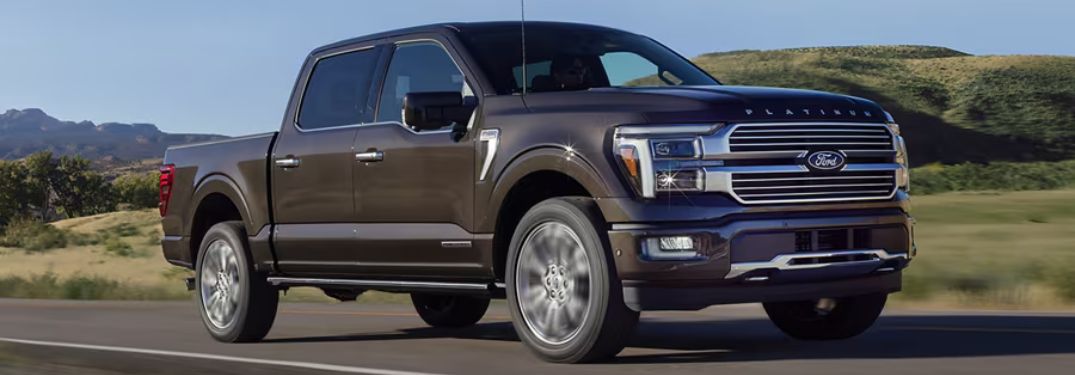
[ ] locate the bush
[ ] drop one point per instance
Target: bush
(33, 235)
(993, 176)
(117, 247)
(124, 230)
(138, 190)
(50, 286)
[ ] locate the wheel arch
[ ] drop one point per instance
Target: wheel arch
(219, 199)
(539, 174)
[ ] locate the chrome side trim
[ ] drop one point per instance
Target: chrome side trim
(456, 244)
(491, 137)
(379, 284)
(785, 262)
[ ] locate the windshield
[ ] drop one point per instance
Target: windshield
(567, 58)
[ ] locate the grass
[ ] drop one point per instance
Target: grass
(997, 249)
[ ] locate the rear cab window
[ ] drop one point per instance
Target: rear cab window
(338, 91)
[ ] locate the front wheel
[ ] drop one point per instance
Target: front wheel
(565, 299)
(826, 318)
(236, 303)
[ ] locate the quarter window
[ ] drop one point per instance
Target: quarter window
(417, 67)
(338, 91)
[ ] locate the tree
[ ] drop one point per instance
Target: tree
(14, 194)
(40, 169)
(80, 191)
(138, 190)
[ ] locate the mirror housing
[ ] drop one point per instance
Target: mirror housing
(424, 111)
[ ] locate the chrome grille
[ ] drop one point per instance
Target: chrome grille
(810, 136)
(805, 186)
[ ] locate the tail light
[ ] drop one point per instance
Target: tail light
(167, 179)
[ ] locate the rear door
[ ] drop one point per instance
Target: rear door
(313, 161)
(414, 201)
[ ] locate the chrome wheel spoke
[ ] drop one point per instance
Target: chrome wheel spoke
(220, 287)
(553, 282)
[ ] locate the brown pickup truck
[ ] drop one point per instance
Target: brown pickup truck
(585, 175)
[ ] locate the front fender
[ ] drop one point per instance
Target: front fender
(545, 158)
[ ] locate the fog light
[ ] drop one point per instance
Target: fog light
(670, 248)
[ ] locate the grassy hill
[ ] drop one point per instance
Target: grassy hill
(953, 106)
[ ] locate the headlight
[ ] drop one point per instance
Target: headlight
(675, 148)
(904, 178)
(651, 156)
(891, 123)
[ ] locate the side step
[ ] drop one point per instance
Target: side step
(391, 285)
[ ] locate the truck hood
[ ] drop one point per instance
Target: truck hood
(747, 104)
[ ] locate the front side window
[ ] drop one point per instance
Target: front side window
(337, 93)
(417, 67)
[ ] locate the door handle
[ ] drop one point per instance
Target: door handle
(288, 162)
(369, 156)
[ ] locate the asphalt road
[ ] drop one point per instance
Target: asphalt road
(67, 337)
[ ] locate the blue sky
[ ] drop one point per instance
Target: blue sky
(227, 66)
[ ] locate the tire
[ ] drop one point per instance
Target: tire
(243, 307)
(849, 317)
(449, 311)
(559, 264)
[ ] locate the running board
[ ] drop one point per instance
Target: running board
(388, 285)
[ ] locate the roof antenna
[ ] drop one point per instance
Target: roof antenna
(522, 30)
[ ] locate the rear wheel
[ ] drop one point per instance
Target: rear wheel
(827, 318)
(565, 299)
(236, 303)
(449, 311)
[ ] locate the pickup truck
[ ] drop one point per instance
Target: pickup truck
(585, 175)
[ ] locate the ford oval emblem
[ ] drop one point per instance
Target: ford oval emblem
(826, 160)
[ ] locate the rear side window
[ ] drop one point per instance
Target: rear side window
(338, 91)
(417, 67)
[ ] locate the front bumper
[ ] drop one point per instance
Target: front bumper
(649, 298)
(769, 257)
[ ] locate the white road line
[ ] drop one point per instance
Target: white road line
(302, 365)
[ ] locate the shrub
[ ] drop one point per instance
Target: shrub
(49, 285)
(124, 230)
(138, 190)
(33, 235)
(117, 247)
(993, 176)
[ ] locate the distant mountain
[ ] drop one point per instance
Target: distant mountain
(952, 106)
(23, 132)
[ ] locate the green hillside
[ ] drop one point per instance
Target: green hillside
(953, 106)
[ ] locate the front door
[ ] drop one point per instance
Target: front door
(313, 161)
(414, 190)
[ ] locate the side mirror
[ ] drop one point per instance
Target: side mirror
(434, 110)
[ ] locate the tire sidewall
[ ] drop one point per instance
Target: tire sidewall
(235, 237)
(594, 243)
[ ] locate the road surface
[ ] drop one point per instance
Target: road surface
(90, 338)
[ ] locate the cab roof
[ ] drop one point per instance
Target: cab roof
(464, 27)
